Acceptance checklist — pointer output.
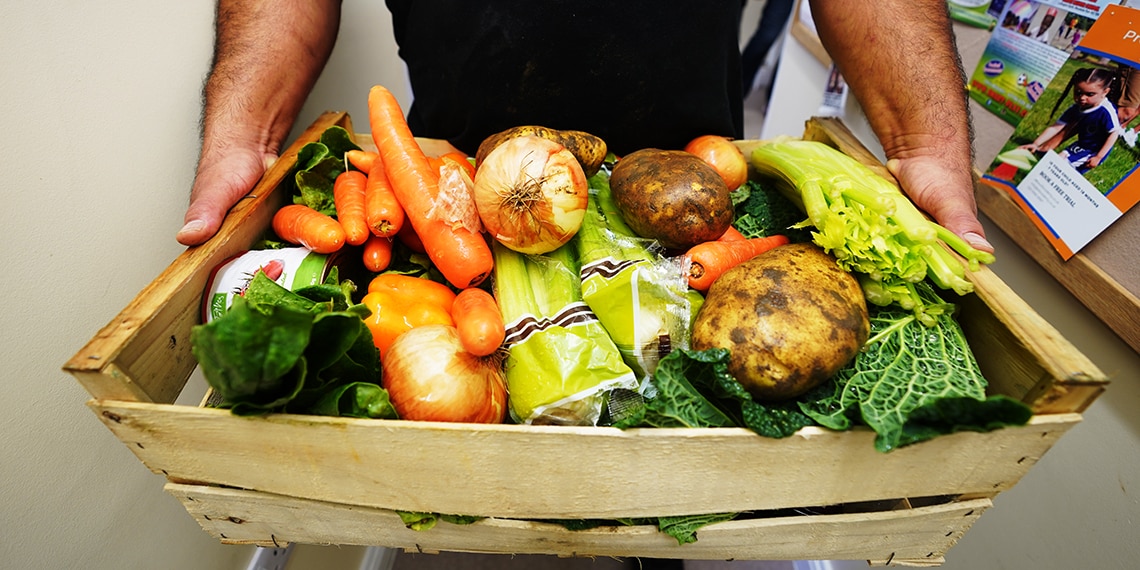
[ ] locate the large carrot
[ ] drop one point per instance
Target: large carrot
(478, 321)
(731, 234)
(461, 254)
(302, 225)
(382, 210)
(709, 260)
(361, 159)
(377, 253)
(407, 236)
(348, 196)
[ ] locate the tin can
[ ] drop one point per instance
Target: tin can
(292, 268)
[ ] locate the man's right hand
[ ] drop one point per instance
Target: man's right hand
(218, 185)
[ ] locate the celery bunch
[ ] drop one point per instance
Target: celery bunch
(561, 364)
(641, 297)
(867, 223)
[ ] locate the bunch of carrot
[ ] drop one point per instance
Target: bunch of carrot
(390, 195)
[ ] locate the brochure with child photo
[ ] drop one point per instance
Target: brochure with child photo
(1071, 161)
(1031, 39)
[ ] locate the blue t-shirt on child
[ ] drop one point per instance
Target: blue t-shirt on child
(1091, 127)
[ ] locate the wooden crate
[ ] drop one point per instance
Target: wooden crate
(816, 495)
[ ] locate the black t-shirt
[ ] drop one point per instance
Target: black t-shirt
(636, 73)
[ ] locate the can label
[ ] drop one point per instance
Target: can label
(292, 268)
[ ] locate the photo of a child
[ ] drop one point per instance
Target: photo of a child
(1091, 119)
(1082, 116)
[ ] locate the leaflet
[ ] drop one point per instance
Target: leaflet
(1071, 161)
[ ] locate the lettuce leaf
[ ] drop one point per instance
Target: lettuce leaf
(304, 351)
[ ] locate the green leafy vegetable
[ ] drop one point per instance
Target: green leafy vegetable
(684, 528)
(762, 212)
(427, 521)
(912, 382)
(304, 351)
(318, 165)
(694, 389)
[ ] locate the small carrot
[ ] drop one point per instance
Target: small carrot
(300, 224)
(377, 253)
(407, 236)
(461, 254)
(348, 196)
(709, 260)
(382, 210)
(361, 159)
(731, 234)
(478, 321)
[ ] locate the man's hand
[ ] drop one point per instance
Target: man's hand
(946, 193)
(267, 56)
(218, 185)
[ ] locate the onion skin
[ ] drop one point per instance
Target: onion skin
(429, 377)
(531, 194)
(723, 156)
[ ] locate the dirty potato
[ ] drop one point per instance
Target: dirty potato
(671, 196)
(590, 150)
(791, 318)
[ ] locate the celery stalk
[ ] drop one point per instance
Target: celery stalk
(866, 221)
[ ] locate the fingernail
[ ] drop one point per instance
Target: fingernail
(976, 240)
(192, 226)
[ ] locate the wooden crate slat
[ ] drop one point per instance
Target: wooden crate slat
(911, 537)
(509, 471)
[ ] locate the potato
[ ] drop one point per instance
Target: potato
(790, 317)
(671, 196)
(589, 149)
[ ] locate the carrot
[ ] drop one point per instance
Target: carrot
(377, 253)
(300, 224)
(709, 260)
(382, 210)
(460, 158)
(407, 236)
(478, 321)
(732, 234)
(361, 159)
(348, 196)
(461, 254)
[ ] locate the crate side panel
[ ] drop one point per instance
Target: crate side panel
(908, 536)
(553, 472)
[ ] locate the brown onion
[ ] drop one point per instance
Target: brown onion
(430, 377)
(725, 158)
(531, 194)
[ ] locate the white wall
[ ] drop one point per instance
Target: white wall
(99, 137)
(1079, 507)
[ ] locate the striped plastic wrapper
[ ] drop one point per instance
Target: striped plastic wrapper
(561, 363)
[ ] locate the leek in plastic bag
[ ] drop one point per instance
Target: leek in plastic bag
(561, 364)
(641, 297)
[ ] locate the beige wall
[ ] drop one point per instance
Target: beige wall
(99, 116)
(100, 104)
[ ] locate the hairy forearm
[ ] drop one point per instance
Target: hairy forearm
(900, 60)
(267, 56)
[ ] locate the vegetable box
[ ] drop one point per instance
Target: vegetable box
(818, 494)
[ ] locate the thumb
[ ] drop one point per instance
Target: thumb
(218, 185)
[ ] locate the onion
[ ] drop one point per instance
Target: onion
(429, 377)
(531, 194)
(719, 153)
